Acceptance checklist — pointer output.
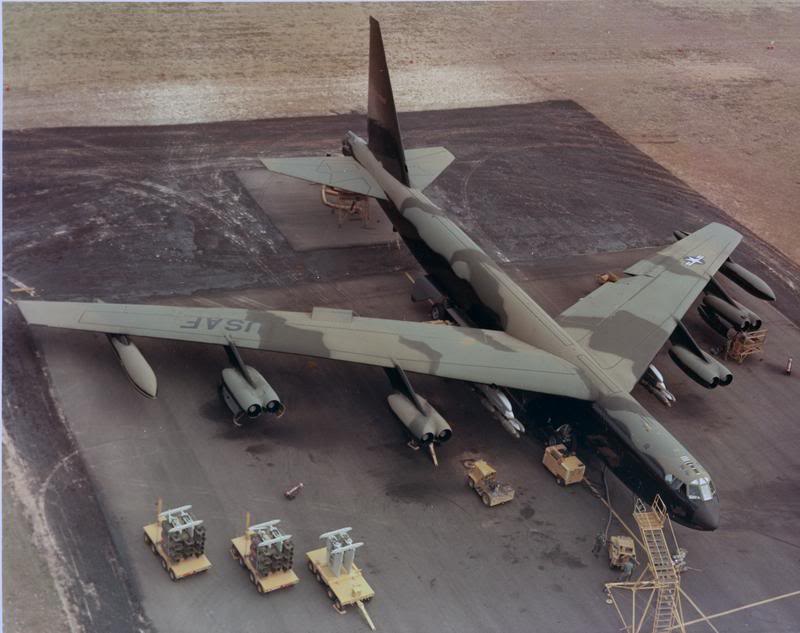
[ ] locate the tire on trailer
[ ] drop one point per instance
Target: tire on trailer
(330, 593)
(311, 567)
(172, 575)
(252, 578)
(485, 499)
(260, 589)
(164, 563)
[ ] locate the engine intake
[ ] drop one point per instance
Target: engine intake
(426, 427)
(741, 318)
(246, 399)
(704, 370)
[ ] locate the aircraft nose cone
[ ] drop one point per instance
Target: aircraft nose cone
(707, 515)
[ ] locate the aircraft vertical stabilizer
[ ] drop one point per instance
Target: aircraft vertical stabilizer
(382, 128)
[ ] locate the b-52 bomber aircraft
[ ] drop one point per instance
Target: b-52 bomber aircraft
(593, 354)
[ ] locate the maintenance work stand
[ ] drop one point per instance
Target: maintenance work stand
(177, 527)
(567, 469)
(334, 567)
(267, 554)
(659, 583)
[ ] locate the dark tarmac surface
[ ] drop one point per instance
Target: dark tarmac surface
(294, 207)
(131, 214)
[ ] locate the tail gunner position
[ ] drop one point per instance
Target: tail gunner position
(592, 355)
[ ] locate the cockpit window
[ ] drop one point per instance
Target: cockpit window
(672, 481)
(701, 488)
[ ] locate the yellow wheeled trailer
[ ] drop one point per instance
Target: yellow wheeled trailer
(334, 567)
(175, 569)
(272, 581)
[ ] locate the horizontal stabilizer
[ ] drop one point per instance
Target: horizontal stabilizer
(341, 172)
(425, 164)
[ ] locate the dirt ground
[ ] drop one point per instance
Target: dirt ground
(709, 89)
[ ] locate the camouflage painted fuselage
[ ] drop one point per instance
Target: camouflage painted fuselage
(630, 440)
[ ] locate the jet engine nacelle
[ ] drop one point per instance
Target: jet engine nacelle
(703, 370)
(248, 399)
(426, 427)
(741, 319)
(133, 362)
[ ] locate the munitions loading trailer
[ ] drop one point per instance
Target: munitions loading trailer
(334, 567)
(178, 539)
(267, 554)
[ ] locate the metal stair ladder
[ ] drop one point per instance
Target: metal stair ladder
(651, 524)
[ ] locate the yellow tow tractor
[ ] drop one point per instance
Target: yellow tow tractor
(178, 539)
(481, 478)
(267, 554)
(334, 567)
(567, 469)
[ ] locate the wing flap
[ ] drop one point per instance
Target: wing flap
(469, 354)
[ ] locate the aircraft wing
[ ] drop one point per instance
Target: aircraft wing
(342, 172)
(474, 355)
(425, 164)
(624, 324)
